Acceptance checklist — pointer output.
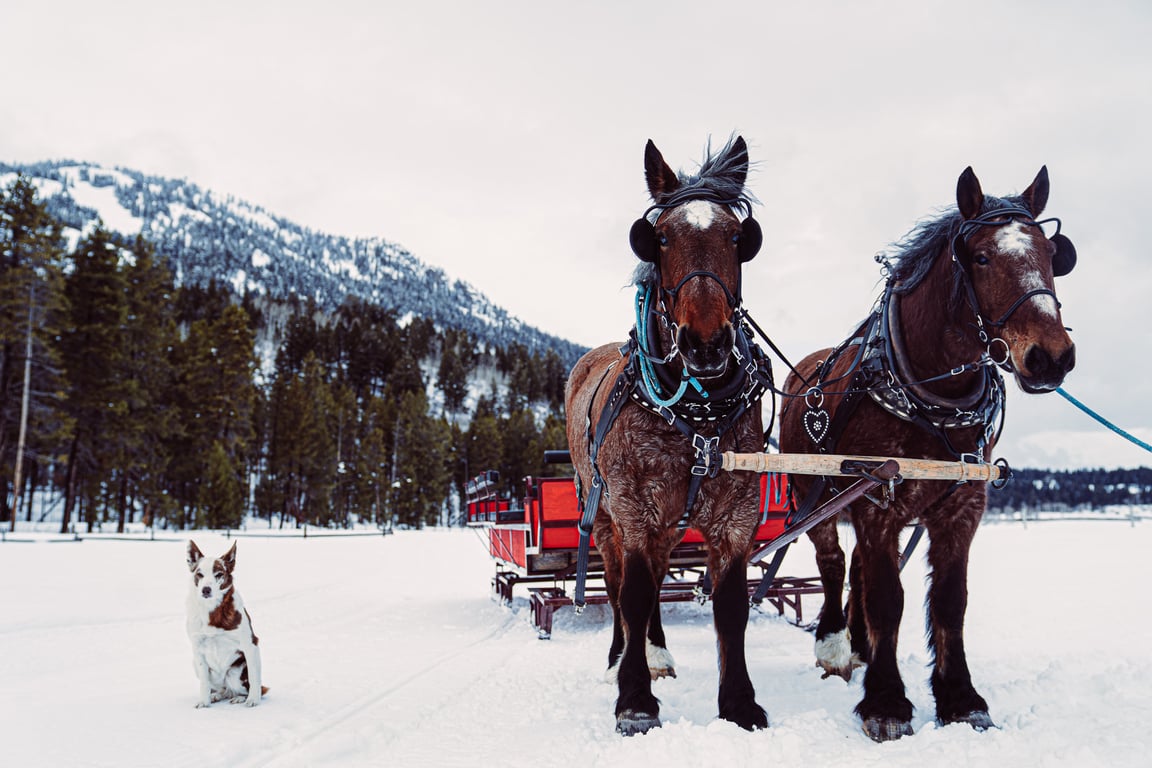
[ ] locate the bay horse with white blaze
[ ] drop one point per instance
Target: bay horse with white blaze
(919, 379)
(647, 421)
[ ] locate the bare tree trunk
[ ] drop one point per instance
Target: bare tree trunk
(122, 502)
(70, 486)
(16, 489)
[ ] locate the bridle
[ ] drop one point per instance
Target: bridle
(1062, 263)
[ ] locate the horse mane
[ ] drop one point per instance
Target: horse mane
(720, 178)
(912, 256)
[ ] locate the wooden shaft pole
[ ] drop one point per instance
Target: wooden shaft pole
(841, 465)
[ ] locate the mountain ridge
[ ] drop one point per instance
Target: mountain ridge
(210, 236)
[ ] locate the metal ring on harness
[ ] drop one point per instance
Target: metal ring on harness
(1007, 352)
(818, 394)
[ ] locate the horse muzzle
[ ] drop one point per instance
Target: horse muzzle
(1042, 372)
(706, 358)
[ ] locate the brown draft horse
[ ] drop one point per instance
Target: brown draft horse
(918, 379)
(679, 392)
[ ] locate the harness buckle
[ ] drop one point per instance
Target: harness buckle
(971, 458)
(707, 455)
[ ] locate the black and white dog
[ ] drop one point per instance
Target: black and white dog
(225, 650)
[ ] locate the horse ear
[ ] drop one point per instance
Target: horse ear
(662, 180)
(1065, 258)
(969, 196)
(1036, 196)
(751, 238)
(643, 240)
(740, 159)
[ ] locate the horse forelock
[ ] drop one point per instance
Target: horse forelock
(722, 175)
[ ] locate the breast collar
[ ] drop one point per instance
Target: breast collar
(894, 387)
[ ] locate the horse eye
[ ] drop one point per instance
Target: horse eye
(980, 258)
(663, 238)
(736, 238)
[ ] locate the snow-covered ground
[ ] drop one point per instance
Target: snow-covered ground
(389, 651)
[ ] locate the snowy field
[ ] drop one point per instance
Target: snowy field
(389, 651)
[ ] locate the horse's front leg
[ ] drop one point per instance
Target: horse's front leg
(833, 645)
(737, 698)
(956, 700)
(637, 710)
(885, 710)
(660, 661)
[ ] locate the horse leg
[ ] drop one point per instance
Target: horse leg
(613, 574)
(885, 710)
(833, 652)
(637, 710)
(857, 626)
(956, 700)
(737, 698)
(660, 661)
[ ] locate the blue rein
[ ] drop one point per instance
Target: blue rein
(647, 360)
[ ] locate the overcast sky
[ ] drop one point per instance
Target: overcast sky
(503, 141)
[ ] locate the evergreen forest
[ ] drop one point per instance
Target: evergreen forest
(125, 398)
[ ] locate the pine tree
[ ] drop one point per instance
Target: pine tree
(216, 399)
(149, 337)
(32, 309)
(221, 494)
(93, 356)
(422, 471)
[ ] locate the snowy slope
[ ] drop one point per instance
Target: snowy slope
(209, 236)
(388, 651)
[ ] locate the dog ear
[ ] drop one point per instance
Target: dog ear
(229, 557)
(194, 555)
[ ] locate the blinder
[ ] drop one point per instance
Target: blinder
(642, 237)
(1065, 258)
(1063, 261)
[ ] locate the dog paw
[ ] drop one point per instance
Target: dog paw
(203, 704)
(251, 701)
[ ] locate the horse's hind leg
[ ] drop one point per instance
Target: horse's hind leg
(956, 699)
(637, 710)
(737, 698)
(833, 649)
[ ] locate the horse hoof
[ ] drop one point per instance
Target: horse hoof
(845, 673)
(979, 720)
(881, 729)
(630, 722)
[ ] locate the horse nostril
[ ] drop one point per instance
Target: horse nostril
(1037, 361)
(1067, 361)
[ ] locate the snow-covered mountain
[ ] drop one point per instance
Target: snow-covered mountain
(206, 236)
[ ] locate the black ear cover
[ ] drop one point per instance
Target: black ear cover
(751, 238)
(1065, 258)
(643, 240)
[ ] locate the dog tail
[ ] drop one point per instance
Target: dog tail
(263, 690)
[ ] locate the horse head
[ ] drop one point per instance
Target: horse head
(1009, 266)
(695, 242)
